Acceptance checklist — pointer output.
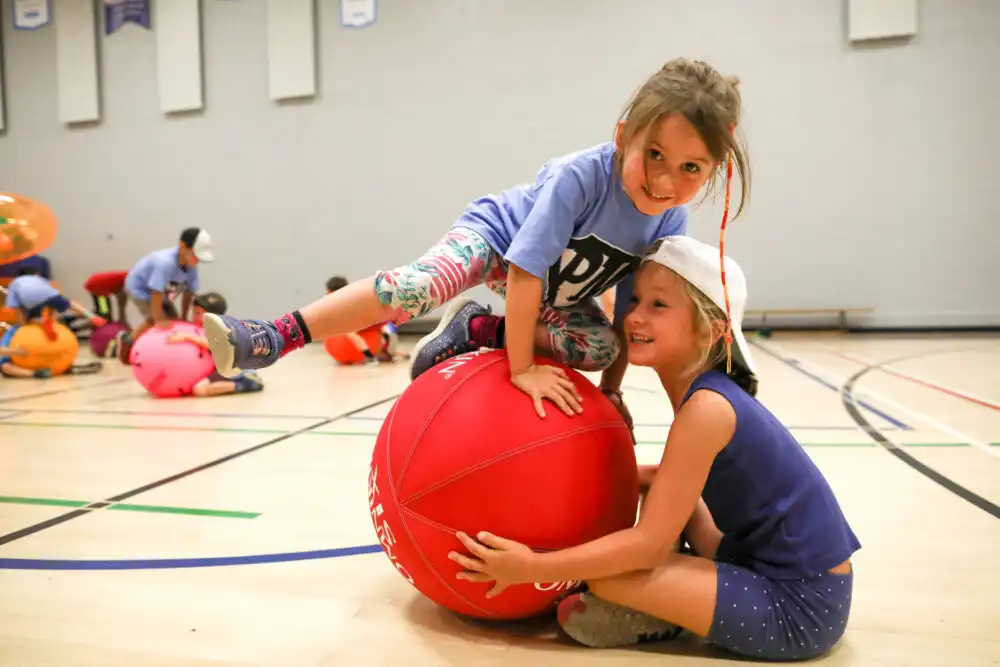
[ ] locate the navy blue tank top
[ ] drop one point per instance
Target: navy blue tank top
(777, 513)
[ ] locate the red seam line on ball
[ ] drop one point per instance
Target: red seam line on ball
(512, 452)
(437, 408)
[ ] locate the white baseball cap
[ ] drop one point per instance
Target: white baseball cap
(700, 264)
(200, 243)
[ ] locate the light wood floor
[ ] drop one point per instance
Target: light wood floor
(202, 560)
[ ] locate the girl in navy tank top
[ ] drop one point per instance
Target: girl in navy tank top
(766, 570)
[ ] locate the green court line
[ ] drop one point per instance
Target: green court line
(129, 507)
(274, 431)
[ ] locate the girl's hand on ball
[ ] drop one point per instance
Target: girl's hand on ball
(495, 559)
(549, 382)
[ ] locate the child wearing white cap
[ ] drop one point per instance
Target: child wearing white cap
(157, 278)
(769, 575)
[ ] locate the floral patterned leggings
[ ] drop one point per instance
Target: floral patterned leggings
(580, 336)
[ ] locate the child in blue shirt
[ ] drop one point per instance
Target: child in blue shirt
(157, 278)
(549, 247)
(770, 576)
(30, 294)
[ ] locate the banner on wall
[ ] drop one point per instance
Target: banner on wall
(357, 13)
(119, 12)
(31, 14)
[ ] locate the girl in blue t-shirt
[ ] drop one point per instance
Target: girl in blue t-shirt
(770, 575)
(549, 247)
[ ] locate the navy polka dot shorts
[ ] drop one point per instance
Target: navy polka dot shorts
(775, 619)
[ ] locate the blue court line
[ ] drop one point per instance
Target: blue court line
(177, 563)
(797, 365)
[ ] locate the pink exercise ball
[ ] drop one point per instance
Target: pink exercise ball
(102, 337)
(167, 369)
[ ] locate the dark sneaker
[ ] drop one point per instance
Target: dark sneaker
(123, 347)
(241, 345)
(598, 623)
(450, 339)
(248, 382)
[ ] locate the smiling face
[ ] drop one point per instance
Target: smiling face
(666, 166)
(662, 323)
(678, 133)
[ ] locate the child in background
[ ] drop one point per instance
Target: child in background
(771, 575)
(214, 384)
(549, 248)
(31, 294)
(387, 331)
(154, 281)
(7, 367)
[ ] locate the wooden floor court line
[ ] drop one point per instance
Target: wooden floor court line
(30, 530)
(853, 406)
(795, 364)
(158, 413)
(372, 434)
(64, 390)
(850, 403)
(889, 370)
(186, 562)
(127, 507)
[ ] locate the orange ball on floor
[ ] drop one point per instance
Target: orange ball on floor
(346, 352)
(56, 355)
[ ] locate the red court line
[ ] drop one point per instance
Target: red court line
(925, 383)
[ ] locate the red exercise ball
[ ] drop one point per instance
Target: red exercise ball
(463, 449)
(345, 351)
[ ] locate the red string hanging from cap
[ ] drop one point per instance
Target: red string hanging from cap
(722, 262)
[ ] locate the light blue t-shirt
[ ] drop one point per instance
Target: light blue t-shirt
(29, 292)
(159, 272)
(574, 227)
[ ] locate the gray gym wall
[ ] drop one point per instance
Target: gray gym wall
(874, 167)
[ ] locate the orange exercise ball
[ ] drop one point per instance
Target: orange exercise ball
(27, 227)
(43, 352)
(345, 351)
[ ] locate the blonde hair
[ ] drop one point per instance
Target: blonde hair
(708, 100)
(704, 314)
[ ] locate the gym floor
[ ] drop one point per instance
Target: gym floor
(235, 530)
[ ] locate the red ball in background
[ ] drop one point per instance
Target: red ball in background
(463, 449)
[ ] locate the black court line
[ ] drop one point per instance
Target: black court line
(83, 511)
(847, 394)
(66, 390)
(158, 413)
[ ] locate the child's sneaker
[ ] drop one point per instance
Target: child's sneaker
(449, 339)
(123, 347)
(601, 624)
(248, 382)
(241, 345)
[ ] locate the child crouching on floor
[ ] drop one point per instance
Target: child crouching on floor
(7, 366)
(214, 384)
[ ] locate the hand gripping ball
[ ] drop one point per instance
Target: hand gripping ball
(165, 369)
(463, 449)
